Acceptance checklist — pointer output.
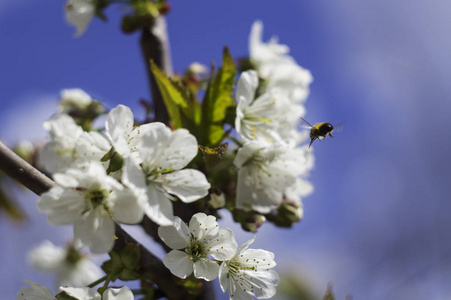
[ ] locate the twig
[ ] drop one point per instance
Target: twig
(155, 47)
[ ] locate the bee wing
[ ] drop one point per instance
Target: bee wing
(305, 124)
(339, 127)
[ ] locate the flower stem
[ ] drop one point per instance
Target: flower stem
(93, 284)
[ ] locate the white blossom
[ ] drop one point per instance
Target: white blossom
(90, 199)
(79, 13)
(73, 99)
(271, 116)
(59, 154)
(249, 274)
(194, 243)
(276, 66)
(71, 267)
(35, 292)
(120, 130)
(70, 145)
(123, 293)
(40, 292)
(157, 171)
(265, 172)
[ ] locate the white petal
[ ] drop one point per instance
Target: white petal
(265, 283)
(178, 263)
(246, 152)
(166, 149)
(92, 146)
(73, 98)
(176, 236)
(133, 175)
(258, 195)
(81, 293)
(181, 148)
(96, 233)
(158, 206)
(47, 256)
(81, 274)
(66, 180)
(127, 207)
(203, 226)
(224, 246)
(123, 293)
(245, 245)
(223, 271)
(62, 126)
(188, 185)
(239, 294)
(56, 156)
(153, 143)
(36, 292)
(206, 269)
(247, 84)
(80, 13)
(118, 126)
(64, 206)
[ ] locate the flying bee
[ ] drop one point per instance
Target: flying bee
(319, 130)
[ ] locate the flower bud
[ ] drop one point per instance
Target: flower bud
(216, 199)
(250, 221)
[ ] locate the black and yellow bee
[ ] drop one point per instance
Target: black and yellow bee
(319, 130)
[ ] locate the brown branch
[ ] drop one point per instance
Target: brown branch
(26, 174)
(21, 171)
(155, 47)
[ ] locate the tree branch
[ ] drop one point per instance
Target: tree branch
(33, 179)
(155, 47)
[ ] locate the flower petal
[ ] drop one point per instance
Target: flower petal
(206, 269)
(96, 233)
(223, 271)
(127, 207)
(118, 126)
(181, 149)
(47, 256)
(64, 206)
(178, 263)
(247, 85)
(158, 206)
(81, 293)
(37, 291)
(224, 246)
(176, 236)
(92, 146)
(188, 185)
(203, 226)
(123, 293)
(265, 283)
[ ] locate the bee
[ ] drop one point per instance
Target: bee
(319, 130)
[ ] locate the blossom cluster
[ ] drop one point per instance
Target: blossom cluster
(92, 193)
(271, 163)
(206, 250)
(125, 170)
(39, 292)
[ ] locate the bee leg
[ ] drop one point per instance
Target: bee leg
(311, 141)
(330, 134)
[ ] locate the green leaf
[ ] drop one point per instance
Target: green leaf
(130, 256)
(218, 97)
(11, 207)
(129, 275)
(174, 96)
(329, 295)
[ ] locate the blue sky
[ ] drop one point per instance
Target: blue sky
(377, 224)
